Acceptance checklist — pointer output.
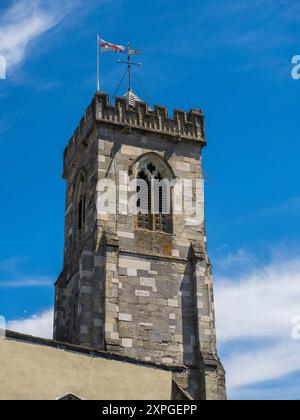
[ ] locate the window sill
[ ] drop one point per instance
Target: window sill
(156, 232)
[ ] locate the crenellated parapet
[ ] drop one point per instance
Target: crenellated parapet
(183, 126)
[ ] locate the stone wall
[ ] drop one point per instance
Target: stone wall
(137, 293)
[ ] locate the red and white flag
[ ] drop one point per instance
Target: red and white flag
(108, 47)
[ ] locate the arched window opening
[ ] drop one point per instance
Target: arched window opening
(144, 202)
(155, 197)
(81, 212)
(163, 205)
(81, 204)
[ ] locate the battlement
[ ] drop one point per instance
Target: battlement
(184, 126)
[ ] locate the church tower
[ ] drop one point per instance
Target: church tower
(138, 284)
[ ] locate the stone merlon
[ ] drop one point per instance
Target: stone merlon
(183, 127)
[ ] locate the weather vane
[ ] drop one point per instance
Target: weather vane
(130, 52)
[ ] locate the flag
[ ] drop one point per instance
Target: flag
(107, 47)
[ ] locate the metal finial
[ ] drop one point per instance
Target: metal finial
(129, 64)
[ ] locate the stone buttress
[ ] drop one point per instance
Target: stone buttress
(137, 292)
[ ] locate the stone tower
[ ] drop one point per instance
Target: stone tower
(138, 285)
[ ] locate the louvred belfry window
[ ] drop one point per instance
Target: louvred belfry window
(154, 203)
(144, 202)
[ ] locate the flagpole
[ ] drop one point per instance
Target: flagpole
(98, 63)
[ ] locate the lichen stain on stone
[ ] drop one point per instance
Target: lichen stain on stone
(154, 242)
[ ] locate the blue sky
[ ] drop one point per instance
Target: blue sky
(230, 58)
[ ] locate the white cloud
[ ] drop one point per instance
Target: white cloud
(266, 364)
(27, 282)
(259, 304)
(25, 21)
(40, 325)
(254, 321)
(12, 277)
(240, 259)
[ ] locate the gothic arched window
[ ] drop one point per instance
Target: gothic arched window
(154, 204)
(80, 204)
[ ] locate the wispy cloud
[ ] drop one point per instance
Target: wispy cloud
(259, 25)
(39, 325)
(12, 275)
(239, 260)
(5, 125)
(252, 20)
(255, 309)
(256, 31)
(12, 264)
(26, 20)
(48, 86)
(281, 209)
(27, 282)
(262, 365)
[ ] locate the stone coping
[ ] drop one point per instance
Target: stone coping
(14, 336)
